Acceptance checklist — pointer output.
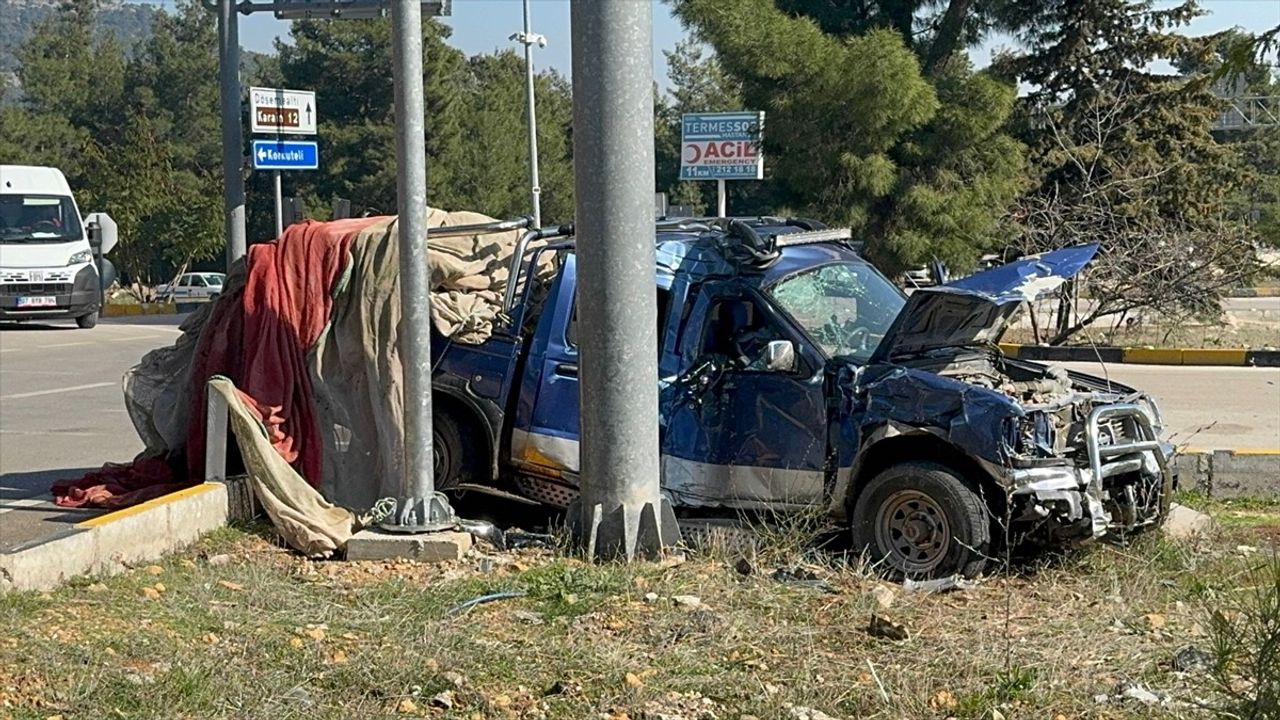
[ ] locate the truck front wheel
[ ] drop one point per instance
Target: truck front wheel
(87, 321)
(921, 520)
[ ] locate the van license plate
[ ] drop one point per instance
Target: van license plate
(26, 302)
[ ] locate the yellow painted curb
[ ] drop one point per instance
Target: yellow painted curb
(1256, 451)
(125, 310)
(148, 505)
(1010, 349)
(1213, 356)
(1153, 356)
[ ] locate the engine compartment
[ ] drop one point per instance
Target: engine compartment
(1057, 405)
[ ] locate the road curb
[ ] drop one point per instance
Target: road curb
(108, 544)
(1230, 473)
(1236, 357)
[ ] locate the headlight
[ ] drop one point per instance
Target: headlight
(83, 256)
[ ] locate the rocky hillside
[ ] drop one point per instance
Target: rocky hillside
(128, 21)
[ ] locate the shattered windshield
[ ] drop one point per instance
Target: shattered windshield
(845, 307)
(38, 219)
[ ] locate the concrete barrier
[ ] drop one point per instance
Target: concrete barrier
(1230, 473)
(108, 544)
(131, 309)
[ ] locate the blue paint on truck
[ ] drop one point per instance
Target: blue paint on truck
(794, 374)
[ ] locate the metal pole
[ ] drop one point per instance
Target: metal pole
(419, 508)
(620, 512)
(279, 207)
(722, 200)
(232, 136)
(529, 39)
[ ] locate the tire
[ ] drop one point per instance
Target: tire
(87, 321)
(455, 456)
(950, 522)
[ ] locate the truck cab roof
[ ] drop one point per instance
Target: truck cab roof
(767, 247)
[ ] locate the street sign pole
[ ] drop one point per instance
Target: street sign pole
(419, 508)
(232, 137)
(620, 513)
(279, 206)
(722, 201)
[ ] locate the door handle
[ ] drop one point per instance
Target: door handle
(567, 370)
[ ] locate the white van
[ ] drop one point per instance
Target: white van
(48, 256)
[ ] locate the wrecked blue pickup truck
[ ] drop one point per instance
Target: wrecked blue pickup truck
(793, 375)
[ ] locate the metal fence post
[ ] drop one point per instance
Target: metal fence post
(621, 512)
(419, 508)
(232, 134)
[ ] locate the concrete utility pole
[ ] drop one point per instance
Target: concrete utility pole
(620, 512)
(419, 508)
(529, 38)
(232, 135)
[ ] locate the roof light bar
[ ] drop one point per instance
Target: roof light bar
(813, 236)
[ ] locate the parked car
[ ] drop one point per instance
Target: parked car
(796, 375)
(193, 286)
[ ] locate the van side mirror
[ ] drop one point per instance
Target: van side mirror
(780, 356)
(102, 232)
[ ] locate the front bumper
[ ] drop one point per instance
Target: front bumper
(63, 293)
(1124, 488)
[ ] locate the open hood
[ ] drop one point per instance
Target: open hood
(976, 309)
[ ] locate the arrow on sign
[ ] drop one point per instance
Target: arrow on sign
(308, 113)
(262, 155)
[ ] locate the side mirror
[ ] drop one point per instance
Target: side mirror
(780, 356)
(102, 232)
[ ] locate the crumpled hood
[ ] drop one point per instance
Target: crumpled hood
(976, 309)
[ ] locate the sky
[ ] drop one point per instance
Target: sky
(481, 26)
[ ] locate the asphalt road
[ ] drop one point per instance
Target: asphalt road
(62, 413)
(1208, 408)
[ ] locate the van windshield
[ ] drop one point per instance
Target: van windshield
(38, 219)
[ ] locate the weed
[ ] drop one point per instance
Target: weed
(1244, 633)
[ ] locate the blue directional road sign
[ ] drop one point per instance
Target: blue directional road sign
(285, 155)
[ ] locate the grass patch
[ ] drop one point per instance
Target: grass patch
(237, 627)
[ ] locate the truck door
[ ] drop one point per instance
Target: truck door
(737, 433)
(546, 431)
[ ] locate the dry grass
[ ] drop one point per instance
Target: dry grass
(272, 635)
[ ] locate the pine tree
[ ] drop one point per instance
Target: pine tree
(873, 124)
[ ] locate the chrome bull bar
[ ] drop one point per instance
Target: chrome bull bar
(1100, 455)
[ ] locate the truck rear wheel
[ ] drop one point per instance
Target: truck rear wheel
(87, 321)
(922, 520)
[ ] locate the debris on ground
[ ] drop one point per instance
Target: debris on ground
(803, 713)
(491, 597)
(689, 602)
(940, 585)
(1183, 523)
(744, 567)
(883, 627)
(884, 595)
(1190, 658)
(803, 577)
(1133, 691)
(443, 699)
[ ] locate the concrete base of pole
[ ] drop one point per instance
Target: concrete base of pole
(603, 533)
(426, 548)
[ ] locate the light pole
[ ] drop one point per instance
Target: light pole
(528, 38)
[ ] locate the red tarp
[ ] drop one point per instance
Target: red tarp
(257, 336)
